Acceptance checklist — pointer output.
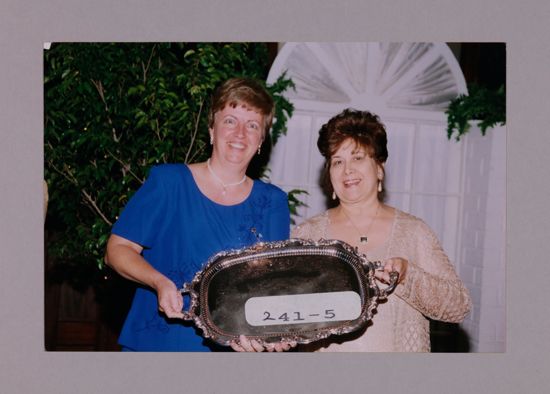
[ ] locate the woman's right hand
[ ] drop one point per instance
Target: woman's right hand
(124, 256)
(170, 299)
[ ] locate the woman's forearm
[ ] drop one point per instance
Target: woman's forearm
(437, 298)
(126, 259)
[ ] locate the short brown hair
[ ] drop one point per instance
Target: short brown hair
(244, 91)
(363, 127)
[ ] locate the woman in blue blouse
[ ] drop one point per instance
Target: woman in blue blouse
(183, 214)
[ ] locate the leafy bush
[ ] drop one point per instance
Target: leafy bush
(114, 110)
(487, 106)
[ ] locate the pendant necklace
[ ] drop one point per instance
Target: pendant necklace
(217, 178)
(362, 238)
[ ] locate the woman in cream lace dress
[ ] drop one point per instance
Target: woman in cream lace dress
(354, 146)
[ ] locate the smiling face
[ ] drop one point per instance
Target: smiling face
(353, 173)
(237, 133)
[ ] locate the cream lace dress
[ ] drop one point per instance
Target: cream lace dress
(431, 288)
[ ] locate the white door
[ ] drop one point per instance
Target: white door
(409, 85)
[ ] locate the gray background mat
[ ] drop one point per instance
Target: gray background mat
(25, 367)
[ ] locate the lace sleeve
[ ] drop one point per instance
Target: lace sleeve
(432, 285)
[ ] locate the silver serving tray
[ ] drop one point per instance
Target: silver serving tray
(240, 292)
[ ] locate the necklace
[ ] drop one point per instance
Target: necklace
(217, 178)
(362, 238)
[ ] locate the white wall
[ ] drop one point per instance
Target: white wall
(483, 237)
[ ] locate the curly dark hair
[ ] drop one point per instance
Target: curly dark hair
(363, 127)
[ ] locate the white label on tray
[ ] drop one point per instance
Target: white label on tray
(302, 308)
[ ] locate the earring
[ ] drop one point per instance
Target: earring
(379, 185)
(259, 148)
(211, 140)
(334, 195)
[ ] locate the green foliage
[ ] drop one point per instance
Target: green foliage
(294, 202)
(114, 110)
(487, 106)
(283, 109)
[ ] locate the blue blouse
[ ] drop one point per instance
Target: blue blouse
(179, 229)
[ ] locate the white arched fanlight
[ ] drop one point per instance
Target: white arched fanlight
(388, 76)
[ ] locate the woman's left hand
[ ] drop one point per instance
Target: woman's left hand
(394, 264)
(250, 345)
